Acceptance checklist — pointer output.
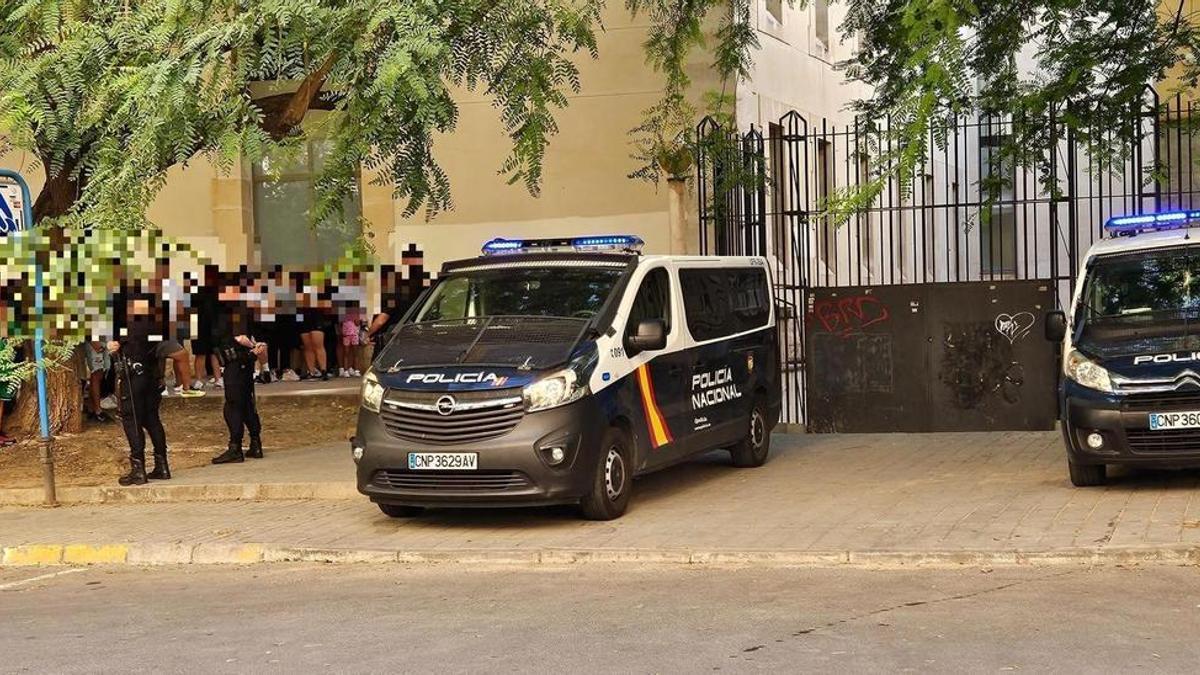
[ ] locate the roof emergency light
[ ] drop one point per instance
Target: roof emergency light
(1149, 222)
(616, 242)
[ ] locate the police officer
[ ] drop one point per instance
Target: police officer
(237, 352)
(138, 369)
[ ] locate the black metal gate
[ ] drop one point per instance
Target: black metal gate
(763, 194)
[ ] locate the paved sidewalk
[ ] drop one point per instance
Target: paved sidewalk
(325, 472)
(825, 497)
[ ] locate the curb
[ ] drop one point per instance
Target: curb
(156, 494)
(219, 553)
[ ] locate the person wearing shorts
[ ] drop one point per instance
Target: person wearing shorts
(348, 345)
(203, 353)
(8, 394)
(98, 362)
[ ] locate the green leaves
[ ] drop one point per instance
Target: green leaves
(109, 95)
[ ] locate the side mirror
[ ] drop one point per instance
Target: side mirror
(647, 335)
(1056, 325)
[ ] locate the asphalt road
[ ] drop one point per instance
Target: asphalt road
(594, 618)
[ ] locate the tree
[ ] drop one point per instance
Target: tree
(109, 95)
(1089, 62)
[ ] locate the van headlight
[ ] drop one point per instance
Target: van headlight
(372, 392)
(565, 386)
(554, 390)
(1087, 372)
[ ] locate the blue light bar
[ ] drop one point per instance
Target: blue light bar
(1149, 222)
(615, 242)
(499, 245)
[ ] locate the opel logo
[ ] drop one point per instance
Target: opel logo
(445, 405)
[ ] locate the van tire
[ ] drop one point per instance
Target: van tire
(612, 479)
(398, 511)
(752, 450)
(1087, 475)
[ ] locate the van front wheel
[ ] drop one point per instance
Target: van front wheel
(1087, 475)
(612, 479)
(752, 450)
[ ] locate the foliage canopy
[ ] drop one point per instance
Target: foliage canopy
(108, 94)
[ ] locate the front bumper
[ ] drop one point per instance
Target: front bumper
(512, 471)
(1124, 423)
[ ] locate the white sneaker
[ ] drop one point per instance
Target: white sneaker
(354, 372)
(290, 375)
(197, 386)
(108, 402)
(342, 372)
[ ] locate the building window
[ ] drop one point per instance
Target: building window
(821, 21)
(283, 195)
(827, 231)
(998, 250)
(775, 9)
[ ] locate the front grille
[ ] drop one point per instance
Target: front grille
(1162, 400)
(1166, 441)
(475, 481)
(411, 416)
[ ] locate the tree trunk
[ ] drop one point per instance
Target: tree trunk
(58, 194)
(65, 408)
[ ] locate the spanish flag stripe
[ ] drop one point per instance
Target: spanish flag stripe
(660, 434)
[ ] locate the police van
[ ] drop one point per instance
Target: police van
(1130, 392)
(555, 371)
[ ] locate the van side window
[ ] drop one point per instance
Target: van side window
(750, 298)
(722, 302)
(653, 300)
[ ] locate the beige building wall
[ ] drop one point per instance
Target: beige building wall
(585, 188)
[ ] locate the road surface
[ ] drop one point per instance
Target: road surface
(595, 618)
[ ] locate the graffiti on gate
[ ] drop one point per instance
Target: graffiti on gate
(1014, 326)
(846, 316)
(978, 362)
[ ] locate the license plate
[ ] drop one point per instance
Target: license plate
(443, 461)
(1175, 420)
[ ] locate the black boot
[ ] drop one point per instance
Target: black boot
(161, 470)
(255, 451)
(232, 455)
(136, 475)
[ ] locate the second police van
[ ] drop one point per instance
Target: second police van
(1130, 392)
(555, 371)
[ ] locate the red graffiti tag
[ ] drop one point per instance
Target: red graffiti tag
(846, 316)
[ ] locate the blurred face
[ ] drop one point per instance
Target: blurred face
(139, 307)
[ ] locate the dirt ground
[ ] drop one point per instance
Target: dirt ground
(195, 433)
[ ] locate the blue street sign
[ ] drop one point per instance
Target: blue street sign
(12, 207)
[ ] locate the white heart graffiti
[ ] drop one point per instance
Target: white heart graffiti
(1014, 326)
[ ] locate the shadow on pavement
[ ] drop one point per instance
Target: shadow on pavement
(660, 485)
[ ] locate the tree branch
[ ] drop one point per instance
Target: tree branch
(282, 113)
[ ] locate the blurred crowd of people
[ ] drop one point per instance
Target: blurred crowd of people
(310, 327)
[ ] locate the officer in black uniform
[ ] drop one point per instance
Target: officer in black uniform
(139, 377)
(237, 351)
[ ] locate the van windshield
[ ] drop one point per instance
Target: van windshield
(1144, 300)
(577, 293)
